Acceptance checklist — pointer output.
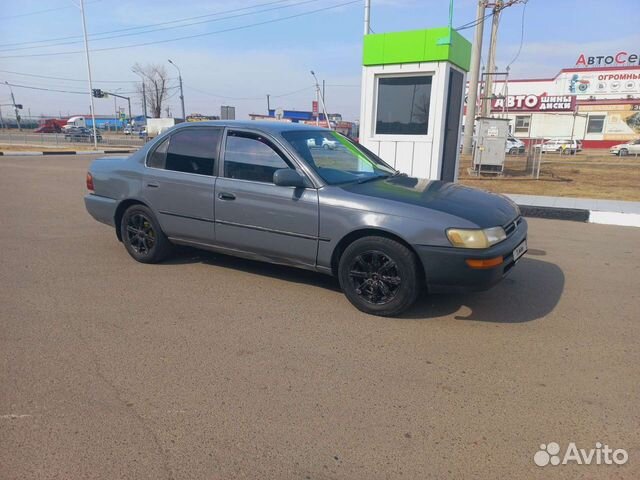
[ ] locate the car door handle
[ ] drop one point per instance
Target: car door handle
(226, 196)
(152, 185)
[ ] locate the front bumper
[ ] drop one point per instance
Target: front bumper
(446, 270)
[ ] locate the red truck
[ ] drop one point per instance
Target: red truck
(51, 125)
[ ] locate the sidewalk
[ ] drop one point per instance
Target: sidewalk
(593, 210)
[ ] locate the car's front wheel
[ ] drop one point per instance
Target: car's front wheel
(380, 276)
(142, 236)
(623, 152)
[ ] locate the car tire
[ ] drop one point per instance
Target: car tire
(513, 151)
(142, 236)
(380, 276)
(623, 152)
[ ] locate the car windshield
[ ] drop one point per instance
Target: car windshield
(336, 158)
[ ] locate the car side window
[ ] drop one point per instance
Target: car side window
(249, 156)
(192, 150)
(158, 157)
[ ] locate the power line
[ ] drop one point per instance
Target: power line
(31, 87)
(524, 9)
(145, 26)
(226, 97)
(473, 23)
(37, 12)
(71, 79)
(74, 42)
(186, 37)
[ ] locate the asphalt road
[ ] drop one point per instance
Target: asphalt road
(208, 367)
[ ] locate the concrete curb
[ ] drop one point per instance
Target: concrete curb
(62, 152)
(581, 215)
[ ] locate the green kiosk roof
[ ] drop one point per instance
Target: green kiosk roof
(413, 46)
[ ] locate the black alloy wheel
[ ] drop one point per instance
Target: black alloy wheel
(375, 277)
(380, 275)
(142, 236)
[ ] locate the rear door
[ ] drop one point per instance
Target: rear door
(179, 183)
(254, 215)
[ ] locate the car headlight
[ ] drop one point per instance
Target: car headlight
(462, 238)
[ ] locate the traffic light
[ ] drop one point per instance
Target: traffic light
(98, 93)
(18, 106)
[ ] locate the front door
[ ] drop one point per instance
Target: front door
(179, 183)
(254, 215)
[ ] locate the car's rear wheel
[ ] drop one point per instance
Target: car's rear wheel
(142, 236)
(623, 152)
(380, 276)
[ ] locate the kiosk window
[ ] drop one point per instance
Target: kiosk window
(403, 105)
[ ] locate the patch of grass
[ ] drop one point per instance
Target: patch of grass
(587, 176)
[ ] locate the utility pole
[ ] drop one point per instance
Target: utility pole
(367, 17)
(144, 95)
(86, 52)
(324, 108)
(268, 105)
(491, 62)
(15, 106)
(1, 120)
(474, 75)
(184, 115)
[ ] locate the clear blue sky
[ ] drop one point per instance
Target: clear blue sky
(240, 67)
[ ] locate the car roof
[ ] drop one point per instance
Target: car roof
(273, 127)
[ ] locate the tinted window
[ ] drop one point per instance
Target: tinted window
(403, 105)
(192, 150)
(158, 157)
(251, 157)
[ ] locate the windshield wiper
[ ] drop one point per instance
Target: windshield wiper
(370, 179)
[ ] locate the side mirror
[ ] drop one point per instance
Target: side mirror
(287, 177)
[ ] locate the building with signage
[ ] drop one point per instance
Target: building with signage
(596, 101)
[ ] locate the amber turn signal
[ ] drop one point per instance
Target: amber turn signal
(483, 263)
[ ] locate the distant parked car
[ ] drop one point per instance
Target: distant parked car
(259, 190)
(514, 145)
(81, 134)
(623, 149)
(561, 146)
(324, 143)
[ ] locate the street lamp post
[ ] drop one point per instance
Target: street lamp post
(86, 52)
(184, 116)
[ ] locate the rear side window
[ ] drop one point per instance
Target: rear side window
(191, 150)
(248, 156)
(158, 157)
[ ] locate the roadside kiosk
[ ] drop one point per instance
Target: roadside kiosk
(412, 97)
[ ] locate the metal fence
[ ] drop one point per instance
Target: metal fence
(26, 137)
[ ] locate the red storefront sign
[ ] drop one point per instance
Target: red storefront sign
(534, 103)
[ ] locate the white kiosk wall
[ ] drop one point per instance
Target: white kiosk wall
(412, 94)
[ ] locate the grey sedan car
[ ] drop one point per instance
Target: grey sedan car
(270, 191)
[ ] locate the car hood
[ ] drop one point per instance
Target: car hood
(477, 206)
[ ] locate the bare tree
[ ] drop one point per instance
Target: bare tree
(156, 82)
